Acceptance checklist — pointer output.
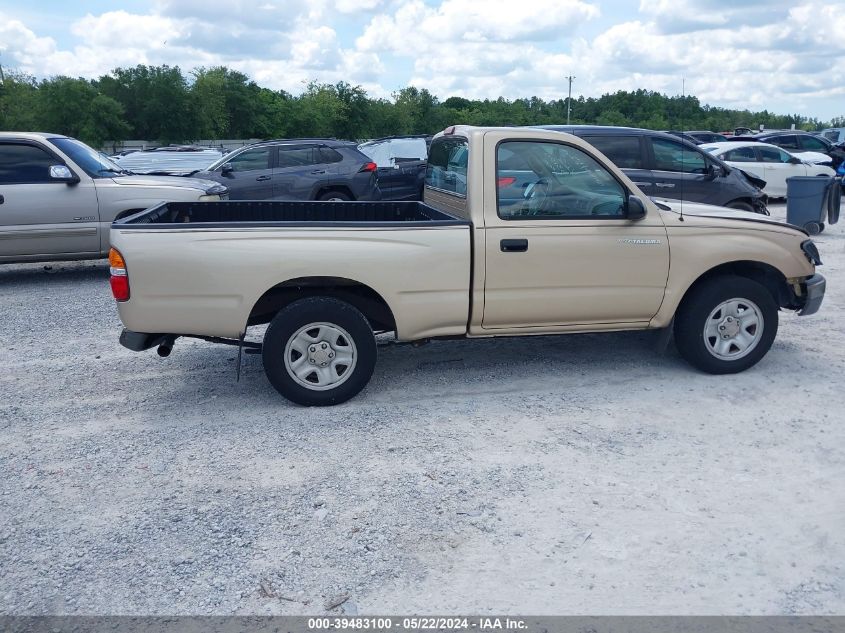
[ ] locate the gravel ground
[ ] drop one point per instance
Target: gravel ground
(577, 474)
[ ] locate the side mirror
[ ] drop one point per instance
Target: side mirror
(710, 171)
(227, 169)
(62, 173)
(634, 209)
(794, 160)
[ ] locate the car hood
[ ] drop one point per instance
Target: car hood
(815, 158)
(696, 209)
(166, 181)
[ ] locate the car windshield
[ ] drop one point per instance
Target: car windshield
(92, 162)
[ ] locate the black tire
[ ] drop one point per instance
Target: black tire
(696, 309)
(334, 196)
(739, 205)
(813, 228)
(325, 311)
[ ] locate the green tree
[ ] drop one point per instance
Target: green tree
(18, 98)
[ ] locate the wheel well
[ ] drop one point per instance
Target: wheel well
(768, 276)
(339, 188)
(747, 201)
(368, 301)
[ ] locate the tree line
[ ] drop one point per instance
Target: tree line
(163, 104)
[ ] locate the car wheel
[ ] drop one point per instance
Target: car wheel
(813, 228)
(319, 351)
(739, 205)
(334, 196)
(726, 325)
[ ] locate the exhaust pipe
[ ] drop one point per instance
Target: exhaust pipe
(166, 346)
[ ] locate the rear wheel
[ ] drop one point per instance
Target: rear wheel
(740, 206)
(319, 351)
(726, 325)
(334, 196)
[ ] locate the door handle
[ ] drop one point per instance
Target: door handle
(260, 178)
(319, 171)
(2, 199)
(514, 246)
(668, 185)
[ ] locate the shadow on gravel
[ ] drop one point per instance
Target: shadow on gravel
(56, 272)
(445, 368)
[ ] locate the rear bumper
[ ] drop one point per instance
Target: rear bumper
(813, 288)
(140, 341)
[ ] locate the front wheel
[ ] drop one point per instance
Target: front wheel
(319, 351)
(334, 196)
(726, 325)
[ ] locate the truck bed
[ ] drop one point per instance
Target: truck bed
(203, 268)
(225, 214)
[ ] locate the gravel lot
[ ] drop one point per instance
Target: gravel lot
(575, 474)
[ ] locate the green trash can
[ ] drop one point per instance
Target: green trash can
(807, 202)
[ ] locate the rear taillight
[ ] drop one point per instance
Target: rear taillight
(505, 181)
(119, 281)
(368, 167)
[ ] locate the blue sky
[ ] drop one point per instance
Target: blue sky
(757, 54)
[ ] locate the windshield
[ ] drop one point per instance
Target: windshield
(93, 163)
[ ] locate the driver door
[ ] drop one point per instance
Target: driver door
(565, 255)
(39, 215)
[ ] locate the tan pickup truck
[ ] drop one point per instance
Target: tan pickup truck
(522, 232)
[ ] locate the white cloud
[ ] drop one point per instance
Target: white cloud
(776, 54)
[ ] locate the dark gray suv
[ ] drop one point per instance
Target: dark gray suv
(665, 166)
(296, 169)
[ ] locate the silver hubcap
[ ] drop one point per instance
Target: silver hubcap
(320, 356)
(733, 329)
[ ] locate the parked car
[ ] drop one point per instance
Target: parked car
(58, 197)
(584, 250)
(699, 136)
(170, 161)
(668, 167)
(401, 164)
(800, 143)
(768, 162)
(835, 135)
(297, 169)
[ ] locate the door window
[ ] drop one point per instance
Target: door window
(559, 181)
(20, 163)
(298, 156)
(251, 160)
(787, 141)
(813, 144)
(447, 165)
(624, 151)
(740, 155)
(673, 156)
(773, 155)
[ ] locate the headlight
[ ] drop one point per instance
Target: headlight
(209, 198)
(811, 252)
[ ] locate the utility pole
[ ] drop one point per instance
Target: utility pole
(2, 76)
(569, 100)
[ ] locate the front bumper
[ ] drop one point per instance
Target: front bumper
(813, 289)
